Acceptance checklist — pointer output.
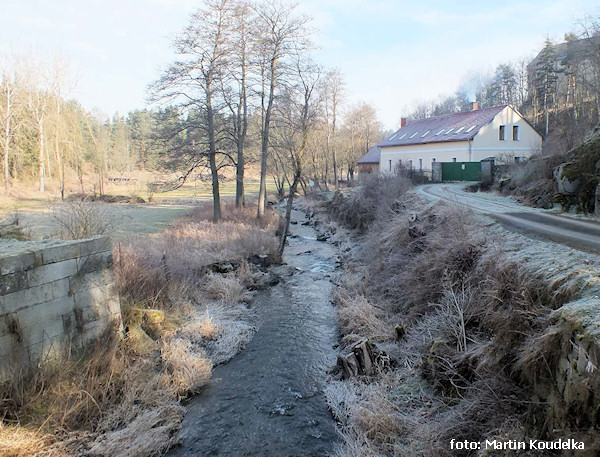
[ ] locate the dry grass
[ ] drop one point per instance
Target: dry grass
(475, 328)
(151, 269)
(179, 318)
(188, 367)
(227, 288)
(359, 319)
(379, 197)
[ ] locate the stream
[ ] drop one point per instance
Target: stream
(268, 400)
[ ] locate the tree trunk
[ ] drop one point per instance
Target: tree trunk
(41, 158)
(212, 156)
(262, 192)
(288, 213)
(240, 199)
(6, 156)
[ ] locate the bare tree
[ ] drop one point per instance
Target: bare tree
(193, 80)
(296, 119)
(280, 35)
(58, 90)
(38, 97)
(333, 89)
(10, 91)
(238, 101)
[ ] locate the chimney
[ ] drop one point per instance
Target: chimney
(402, 122)
(474, 106)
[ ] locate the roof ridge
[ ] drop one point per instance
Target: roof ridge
(459, 112)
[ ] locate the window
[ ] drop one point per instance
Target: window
(433, 160)
(390, 164)
(410, 164)
(453, 159)
(392, 137)
(469, 129)
(449, 130)
(413, 135)
(515, 133)
(502, 133)
(420, 164)
(440, 132)
(460, 130)
(425, 134)
(402, 136)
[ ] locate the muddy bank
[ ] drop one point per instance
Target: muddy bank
(268, 400)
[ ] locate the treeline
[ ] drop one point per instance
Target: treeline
(558, 90)
(45, 136)
(242, 86)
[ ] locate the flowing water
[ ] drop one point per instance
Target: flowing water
(268, 400)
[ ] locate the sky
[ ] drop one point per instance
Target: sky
(393, 53)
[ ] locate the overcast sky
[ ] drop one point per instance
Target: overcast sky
(393, 53)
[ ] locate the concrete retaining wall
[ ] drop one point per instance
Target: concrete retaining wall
(55, 297)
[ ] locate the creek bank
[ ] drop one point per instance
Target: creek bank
(268, 399)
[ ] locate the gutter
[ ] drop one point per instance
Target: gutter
(470, 151)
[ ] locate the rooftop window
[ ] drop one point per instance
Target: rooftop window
(440, 132)
(460, 130)
(402, 136)
(448, 131)
(413, 135)
(470, 128)
(425, 134)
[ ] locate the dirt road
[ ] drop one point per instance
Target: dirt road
(577, 233)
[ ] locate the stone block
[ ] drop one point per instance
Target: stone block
(24, 298)
(52, 272)
(19, 262)
(61, 288)
(95, 296)
(45, 312)
(13, 282)
(98, 278)
(44, 331)
(66, 250)
(94, 262)
(94, 245)
(6, 345)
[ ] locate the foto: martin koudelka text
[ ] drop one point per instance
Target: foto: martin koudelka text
(518, 445)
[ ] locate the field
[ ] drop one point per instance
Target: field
(36, 212)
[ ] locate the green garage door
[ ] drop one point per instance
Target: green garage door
(461, 171)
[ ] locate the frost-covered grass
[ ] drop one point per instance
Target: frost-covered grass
(474, 302)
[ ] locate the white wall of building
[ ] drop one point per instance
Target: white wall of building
(441, 152)
(485, 144)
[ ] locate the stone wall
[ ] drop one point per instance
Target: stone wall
(56, 297)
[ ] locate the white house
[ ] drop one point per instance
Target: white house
(499, 132)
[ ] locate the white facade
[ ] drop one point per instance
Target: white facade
(486, 143)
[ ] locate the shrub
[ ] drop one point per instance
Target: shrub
(81, 219)
(378, 197)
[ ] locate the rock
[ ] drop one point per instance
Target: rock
(263, 260)
(222, 267)
(322, 237)
(264, 281)
(565, 186)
